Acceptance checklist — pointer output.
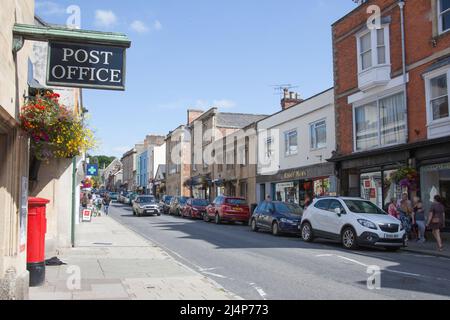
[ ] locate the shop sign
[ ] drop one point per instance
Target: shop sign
(437, 167)
(86, 66)
(296, 174)
(87, 215)
(286, 185)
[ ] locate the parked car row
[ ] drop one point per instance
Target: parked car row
(353, 222)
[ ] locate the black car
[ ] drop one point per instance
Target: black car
(277, 217)
(165, 204)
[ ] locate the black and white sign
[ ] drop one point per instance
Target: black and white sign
(86, 66)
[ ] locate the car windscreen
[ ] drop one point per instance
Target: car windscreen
(361, 206)
(236, 202)
(183, 200)
(288, 208)
(167, 200)
(146, 200)
(200, 202)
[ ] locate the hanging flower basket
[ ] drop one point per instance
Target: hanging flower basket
(406, 178)
(54, 130)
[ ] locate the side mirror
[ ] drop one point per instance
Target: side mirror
(338, 211)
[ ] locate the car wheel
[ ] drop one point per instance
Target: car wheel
(217, 219)
(206, 217)
(307, 232)
(134, 212)
(349, 239)
(275, 229)
(254, 226)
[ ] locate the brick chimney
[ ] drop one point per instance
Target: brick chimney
(290, 99)
(193, 115)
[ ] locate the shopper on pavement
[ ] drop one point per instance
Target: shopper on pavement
(308, 201)
(419, 219)
(392, 209)
(406, 216)
(84, 201)
(436, 220)
(106, 203)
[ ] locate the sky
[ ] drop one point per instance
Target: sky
(202, 53)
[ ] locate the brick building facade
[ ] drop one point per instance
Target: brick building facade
(392, 112)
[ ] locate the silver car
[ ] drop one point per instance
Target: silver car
(146, 205)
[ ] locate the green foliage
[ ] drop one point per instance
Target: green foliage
(102, 160)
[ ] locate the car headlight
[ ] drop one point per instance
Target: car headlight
(367, 224)
(284, 220)
(194, 209)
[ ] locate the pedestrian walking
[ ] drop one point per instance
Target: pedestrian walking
(84, 201)
(106, 203)
(419, 219)
(308, 201)
(436, 220)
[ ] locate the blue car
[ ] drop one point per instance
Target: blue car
(277, 217)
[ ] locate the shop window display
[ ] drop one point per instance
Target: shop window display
(435, 179)
(371, 187)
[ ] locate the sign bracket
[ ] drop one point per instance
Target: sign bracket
(22, 32)
(18, 42)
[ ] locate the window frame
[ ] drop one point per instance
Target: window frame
(287, 151)
(374, 48)
(377, 100)
(313, 140)
(440, 13)
(428, 77)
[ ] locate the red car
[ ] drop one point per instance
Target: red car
(195, 208)
(229, 209)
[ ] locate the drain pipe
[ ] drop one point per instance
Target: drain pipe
(401, 5)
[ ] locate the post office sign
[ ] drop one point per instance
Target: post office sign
(86, 66)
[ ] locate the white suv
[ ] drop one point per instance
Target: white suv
(352, 221)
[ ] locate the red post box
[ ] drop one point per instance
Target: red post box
(37, 227)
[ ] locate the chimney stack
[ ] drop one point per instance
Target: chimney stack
(193, 115)
(290, 99)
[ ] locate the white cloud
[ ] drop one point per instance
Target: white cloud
(224, 103)
(105, 18)
(157, 25)
(49, 8)
(221, 104)
(139, 26)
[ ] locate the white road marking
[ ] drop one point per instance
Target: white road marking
(260, 291)
(417, 275)
(214, 274)
(354, 261)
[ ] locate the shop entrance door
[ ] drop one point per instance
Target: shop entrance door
(445, 192)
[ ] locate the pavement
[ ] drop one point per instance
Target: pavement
(111, 262)
(430, 247)
(259, 266)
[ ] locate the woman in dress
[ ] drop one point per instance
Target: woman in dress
(436, 220)
(405, 216)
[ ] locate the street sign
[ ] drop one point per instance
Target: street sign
(86, 66)
(87, 215)
(92, 170)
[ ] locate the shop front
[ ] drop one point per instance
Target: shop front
(433, 162)
(200, 187)
(371, 175)
(421, 169)
(294, 185)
